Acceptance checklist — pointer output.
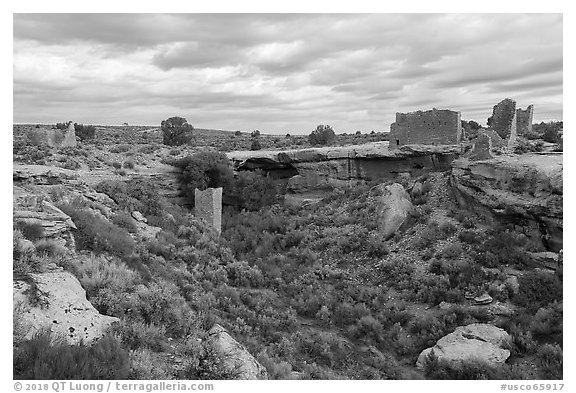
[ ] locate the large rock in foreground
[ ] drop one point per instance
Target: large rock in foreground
(235, 358)
(395, 208)
(56, 301)
(525, 190)
(475, 342)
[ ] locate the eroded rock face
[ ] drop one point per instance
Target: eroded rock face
(477, 341)
(395, 208)
(56, 301)
(235, 357)
(33, 209)
(525, 190)
(345, 165)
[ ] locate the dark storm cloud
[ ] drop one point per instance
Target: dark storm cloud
(283, 69)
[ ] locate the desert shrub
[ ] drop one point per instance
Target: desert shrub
(210, 365)
(139, 335)
(502, 247)
(469, 370)
(470, 237)
(38, 359)
(550, 131)
(322, 135)
(145, 366)
(72, 164)
(124, 220)
(376, 246)
(61, 126)
(538, 289)
(84, 132)
(397, 272)
(24, 260)
(31, 231)
(128, 164)
(96, 234)
(548, 321)
(134, 194)
(206, 169)
(50, 247)
(368, 327)
(116, 165)
(448, 228)
(428, 237)
(176, 131)
(452, 251)
(30, 154)
(255, 145)
(148, 149)
(550, 361)
(255, 190)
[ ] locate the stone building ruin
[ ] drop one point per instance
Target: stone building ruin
(208, 207)
(54, 138)
(503, 120)
(433, 127)
(524, 120)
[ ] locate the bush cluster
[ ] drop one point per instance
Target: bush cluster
(322, 135)
(176, 131)
(40, 358)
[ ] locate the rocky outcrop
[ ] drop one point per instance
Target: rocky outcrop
(235, 358)
(525, 190)
(56, 301)
(395, 208)
(344, 165)
(42, 174)
(33, 209)
(475, 342)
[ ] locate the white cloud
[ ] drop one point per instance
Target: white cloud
(282, 72)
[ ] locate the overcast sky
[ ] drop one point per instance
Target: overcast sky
(283, 72)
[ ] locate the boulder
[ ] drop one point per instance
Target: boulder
(395, 208)
(56, 301)
(235, 358)
(139, 217)
(483, 299)
(475, 342)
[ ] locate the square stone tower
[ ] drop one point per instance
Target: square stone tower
(208, 206)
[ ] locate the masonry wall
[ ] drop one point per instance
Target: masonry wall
(504, 118)
(524, 120)
(208, 206)
(434, 127)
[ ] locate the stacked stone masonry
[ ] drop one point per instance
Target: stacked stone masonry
(524, 120)
(53, 137)
(208, 206)
(504, 120)
(433, 127)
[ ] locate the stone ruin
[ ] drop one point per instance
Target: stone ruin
(51, 137)
(504, 121)
(208, 207)
(524, 120)
(486, 144)
(506, 124)
(433, 127)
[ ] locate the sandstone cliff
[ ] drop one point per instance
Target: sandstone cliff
(345, 164)
(522, 189)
